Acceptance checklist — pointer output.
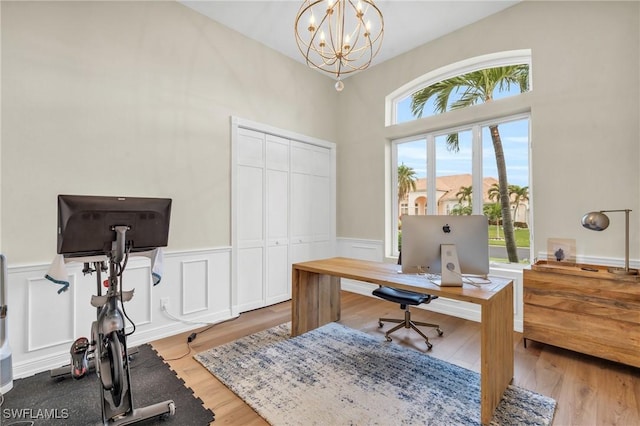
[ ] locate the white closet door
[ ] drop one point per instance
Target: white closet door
(283, 205)
(278, 282)
(310, 202)
(250, 219)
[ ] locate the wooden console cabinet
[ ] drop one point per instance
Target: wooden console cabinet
(593, 312)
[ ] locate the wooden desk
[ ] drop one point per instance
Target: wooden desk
(316, 301)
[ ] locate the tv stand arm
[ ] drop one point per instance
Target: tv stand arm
(118, 247)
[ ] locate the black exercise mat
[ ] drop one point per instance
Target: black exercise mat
(42, 400)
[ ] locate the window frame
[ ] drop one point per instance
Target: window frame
(476, 167)
(475, 117)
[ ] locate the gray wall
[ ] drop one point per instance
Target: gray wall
(135, 98)
(584, 113)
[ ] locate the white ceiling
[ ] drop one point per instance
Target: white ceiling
(408, 24)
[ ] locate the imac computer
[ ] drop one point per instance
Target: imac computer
(86, 223)
(451, 246)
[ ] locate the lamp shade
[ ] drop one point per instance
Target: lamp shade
(596, 221)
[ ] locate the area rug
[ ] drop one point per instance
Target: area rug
(41, 400)
(335, 375)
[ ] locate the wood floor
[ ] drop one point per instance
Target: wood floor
(589, 391)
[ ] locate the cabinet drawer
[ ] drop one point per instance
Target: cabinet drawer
(603, 337)
(601, 298)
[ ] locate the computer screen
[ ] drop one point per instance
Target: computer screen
(86, 223)
(423, 236)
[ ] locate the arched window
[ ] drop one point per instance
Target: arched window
(399, 102)
(456, 158)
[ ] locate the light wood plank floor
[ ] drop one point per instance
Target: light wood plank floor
(589, 391)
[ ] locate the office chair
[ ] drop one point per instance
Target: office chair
(405, 298)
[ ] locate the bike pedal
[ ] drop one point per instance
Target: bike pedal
(79, 364)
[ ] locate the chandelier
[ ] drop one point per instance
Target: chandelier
(339, 36)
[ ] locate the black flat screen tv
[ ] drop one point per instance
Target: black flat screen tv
(86, 223)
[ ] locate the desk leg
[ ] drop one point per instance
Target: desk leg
(496, 351)
(315, 300)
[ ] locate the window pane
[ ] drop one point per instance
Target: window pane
(453, 173)
(453, 164)
(502, 81)
(514, 138)
(412, 172)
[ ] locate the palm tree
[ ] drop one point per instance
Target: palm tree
(406, 181)
(519, 194)
(464, 195)
(460, 210)
(493, 193)
(478, 86)
(492, 212)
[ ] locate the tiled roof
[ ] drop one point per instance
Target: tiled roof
(450, 185)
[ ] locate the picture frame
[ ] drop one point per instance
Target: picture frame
(561, 250)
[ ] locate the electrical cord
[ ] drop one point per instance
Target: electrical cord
(466, 279)
(181, 356)
(120, 274)
(195, 334)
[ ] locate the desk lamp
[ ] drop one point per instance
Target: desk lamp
(599, 221)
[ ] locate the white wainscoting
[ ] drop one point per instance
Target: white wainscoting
(374, 250)
(42, 324)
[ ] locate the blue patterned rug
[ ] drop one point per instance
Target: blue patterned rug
(336, 375)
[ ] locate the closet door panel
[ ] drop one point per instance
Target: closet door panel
(250, 206)
(320, 207)
(301, 251)
(277, 153)
(300, 207)
(301, 157)
(321, 162)
(278, 272)
(250, 229)
(250, 148)
(250, 282)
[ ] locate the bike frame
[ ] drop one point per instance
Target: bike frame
(109, 342)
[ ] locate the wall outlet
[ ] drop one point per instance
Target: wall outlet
(164, 303)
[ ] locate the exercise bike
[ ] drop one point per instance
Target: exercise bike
(90, 230)
(108, 346)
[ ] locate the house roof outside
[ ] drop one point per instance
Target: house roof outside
(450, 185)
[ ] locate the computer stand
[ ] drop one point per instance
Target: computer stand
(450, 270)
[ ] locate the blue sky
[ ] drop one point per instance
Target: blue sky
(515, 142)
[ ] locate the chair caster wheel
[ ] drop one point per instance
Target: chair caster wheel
(388, 338)
(440, 332)
(380, 325)
(429, 346)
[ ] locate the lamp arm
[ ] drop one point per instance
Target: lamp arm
(626, 234)
(620, 210)
(626, 240)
